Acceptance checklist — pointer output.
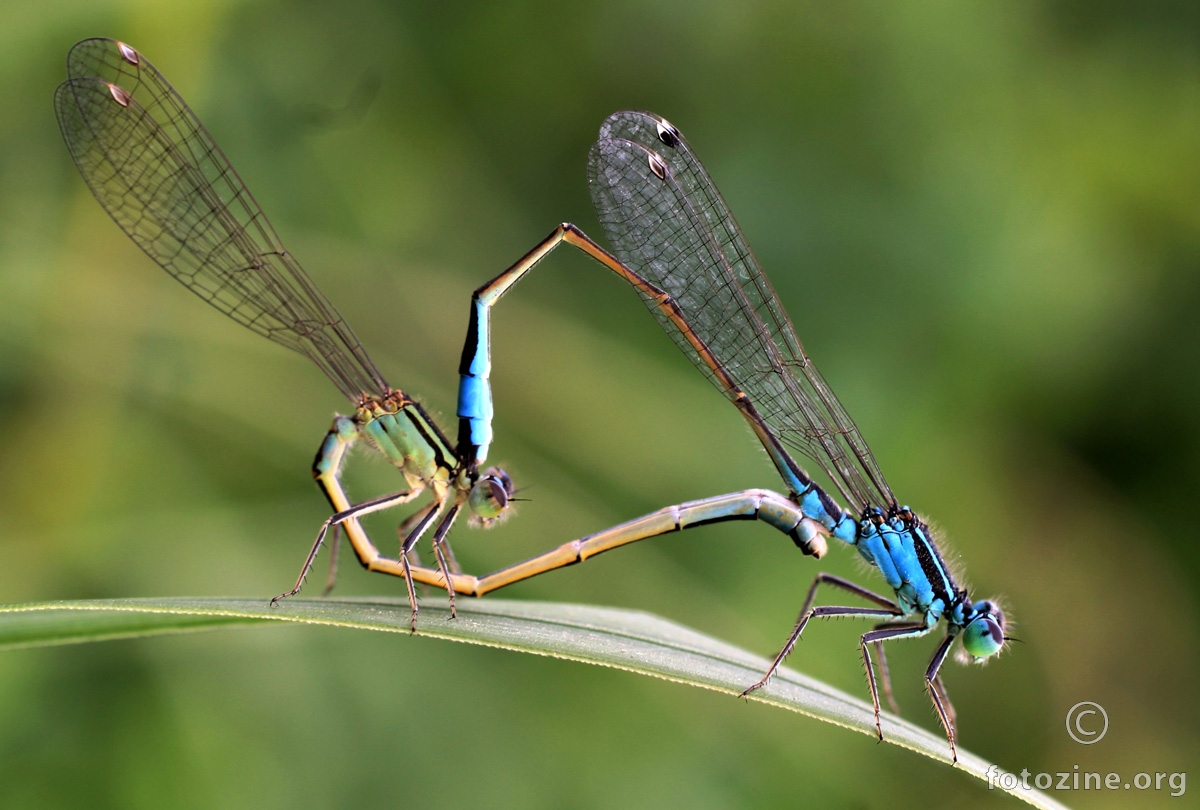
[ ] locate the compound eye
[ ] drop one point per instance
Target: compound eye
(983, 638)
(502, 477)
(490, 495)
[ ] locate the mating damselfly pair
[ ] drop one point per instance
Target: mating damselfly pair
(162, 178)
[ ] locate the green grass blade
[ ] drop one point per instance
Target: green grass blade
(623, 639)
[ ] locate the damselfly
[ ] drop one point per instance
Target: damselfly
(680, 246)
(162, 178)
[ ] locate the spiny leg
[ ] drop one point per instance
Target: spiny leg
(406, 527)
(455, 568)
(412, 592)
(334, 545)
(937, 693)
(884, 674)
(940, 685)
(880, 635)
(850, 587)
(410, 542)
(415, 558)
(439, 551)
(364, 508)
(888, 608)
(823, 612)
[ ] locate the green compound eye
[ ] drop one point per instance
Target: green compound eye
(984, 636)
(490, 495)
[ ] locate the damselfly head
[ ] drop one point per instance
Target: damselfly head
(490, 496)
(984, 636)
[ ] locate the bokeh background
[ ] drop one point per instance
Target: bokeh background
(984, 219)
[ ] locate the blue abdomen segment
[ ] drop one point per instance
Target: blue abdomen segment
(475, 408)
(816, 504)
(474, 385)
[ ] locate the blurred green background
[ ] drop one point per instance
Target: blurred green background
(984, 219)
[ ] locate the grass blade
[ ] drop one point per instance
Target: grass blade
(624, 639)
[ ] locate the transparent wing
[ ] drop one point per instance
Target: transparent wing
(665, 218)
(162, 178)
